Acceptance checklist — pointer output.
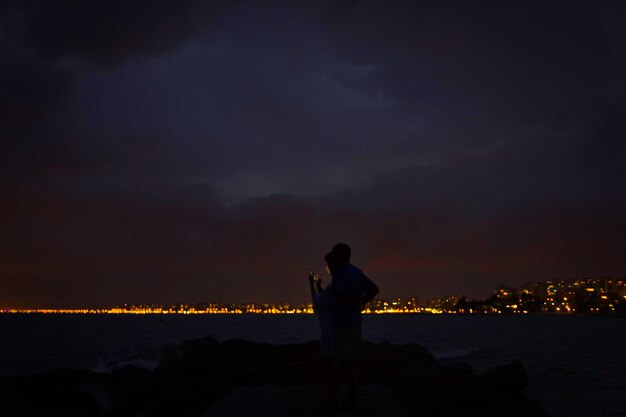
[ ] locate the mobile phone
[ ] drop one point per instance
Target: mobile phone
(313, 275)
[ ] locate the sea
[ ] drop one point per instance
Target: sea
(576, 364)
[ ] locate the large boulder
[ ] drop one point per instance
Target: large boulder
(385, 363)
(414, 359)
(199, 351)
(186, 390)
(61, 392)
(378, 363)
(131, 388)
(191, 354)
(509, 379)
(446, 390)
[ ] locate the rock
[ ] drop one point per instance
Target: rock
(55, 393)
(77, 403)
(186, 404)
(446, 390)
(380, 364)
(509, 379)
(386, 363)
(190, 354)
(131, 385)
(460, 368)
(294, 373)
(199, 372)
(245, 347)
(199, 350)
(183, 389)
(414, 358)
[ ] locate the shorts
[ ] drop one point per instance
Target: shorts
(346, 342)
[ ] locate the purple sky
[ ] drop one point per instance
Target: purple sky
(168, 152)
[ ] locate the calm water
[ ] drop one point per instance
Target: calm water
(576, 364)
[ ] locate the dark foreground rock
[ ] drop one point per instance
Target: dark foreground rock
(454, 390)
(61, 392)
(198, 373)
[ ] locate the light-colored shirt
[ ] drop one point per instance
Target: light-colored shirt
(321, 305)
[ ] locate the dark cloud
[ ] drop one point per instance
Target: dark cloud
(107, 32)
(32, 92)
(604, 151)
(45, 47)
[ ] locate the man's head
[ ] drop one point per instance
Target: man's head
(341, 253)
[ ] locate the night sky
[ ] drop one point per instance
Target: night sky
(163, 152)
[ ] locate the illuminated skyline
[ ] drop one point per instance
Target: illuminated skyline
(603, 295)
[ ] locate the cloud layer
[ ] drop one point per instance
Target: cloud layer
(166, 152)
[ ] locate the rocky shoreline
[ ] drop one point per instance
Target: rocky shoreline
(197, 373)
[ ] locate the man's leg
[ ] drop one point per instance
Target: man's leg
(350, 374)
(350, 369)
(334, 382)
(333, 377)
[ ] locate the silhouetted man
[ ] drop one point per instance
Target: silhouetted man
(351, 290)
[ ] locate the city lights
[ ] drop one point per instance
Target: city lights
(589, 295)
